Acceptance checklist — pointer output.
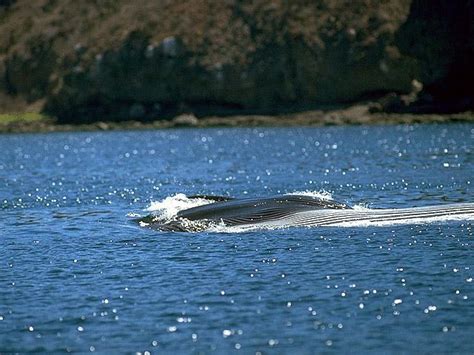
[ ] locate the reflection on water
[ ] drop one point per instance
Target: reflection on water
(77, 275)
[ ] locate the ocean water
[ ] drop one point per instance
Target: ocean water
(78, 275)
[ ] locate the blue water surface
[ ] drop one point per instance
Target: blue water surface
(76, 274)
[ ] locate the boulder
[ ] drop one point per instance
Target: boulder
(185, 120)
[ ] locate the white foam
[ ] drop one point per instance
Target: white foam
(408, 221)
(168, 208)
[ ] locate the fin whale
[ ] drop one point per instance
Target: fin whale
(294, 210)
(237, 212)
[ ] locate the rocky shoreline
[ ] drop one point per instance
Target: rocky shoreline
(354, 115)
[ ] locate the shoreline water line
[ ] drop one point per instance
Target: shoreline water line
(354, 115)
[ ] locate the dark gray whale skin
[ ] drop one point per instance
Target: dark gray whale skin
(234, 212)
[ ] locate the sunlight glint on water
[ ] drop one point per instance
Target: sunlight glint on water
(76, 274)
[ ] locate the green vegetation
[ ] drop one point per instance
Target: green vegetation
(26, 117)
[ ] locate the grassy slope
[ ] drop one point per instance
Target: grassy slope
(26, 117)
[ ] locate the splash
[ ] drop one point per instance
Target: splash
(168, 208)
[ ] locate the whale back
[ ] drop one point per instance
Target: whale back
(251, 210)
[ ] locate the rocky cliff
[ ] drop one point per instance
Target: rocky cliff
(104, 59)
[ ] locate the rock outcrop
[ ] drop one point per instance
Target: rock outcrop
(440, 36)
(142, 60)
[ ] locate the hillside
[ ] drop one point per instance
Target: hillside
(83, 61)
